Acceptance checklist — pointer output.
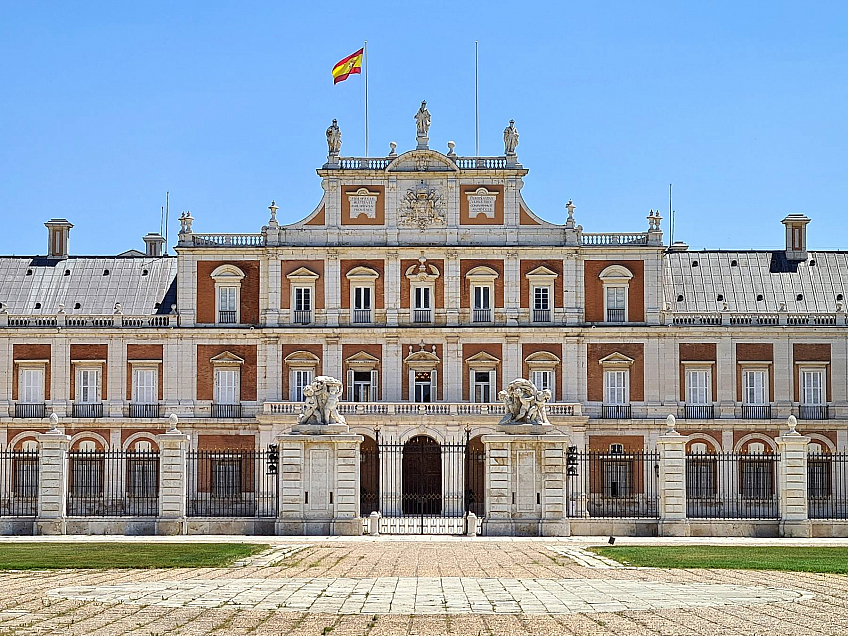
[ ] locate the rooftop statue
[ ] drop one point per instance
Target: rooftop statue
(422, 120)
(334, 138)
(510, 138)
(525, 404)
(321, 402)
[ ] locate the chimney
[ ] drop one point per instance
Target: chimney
(153, 243)
(57, 237)
(796, 236)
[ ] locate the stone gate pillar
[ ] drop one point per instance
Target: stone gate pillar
(172, 480)
(52, 479)
(792, 482)
(672, 483)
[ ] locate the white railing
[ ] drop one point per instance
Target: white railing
(614, 238)
(754, 319)
(98, 321)
(481, 163)
(766, 319)
(227, 240)
(363, 163)
(814, 319)
(696, 318)
(413, 408)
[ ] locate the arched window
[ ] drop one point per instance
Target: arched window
(616, 281)
(228, 279)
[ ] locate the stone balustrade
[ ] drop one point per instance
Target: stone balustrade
(562, 409)
(754, 319)
(107, 321)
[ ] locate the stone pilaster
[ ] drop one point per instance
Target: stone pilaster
(511, 287)
(452, 287)
(392, 288)
(726, 381)
(52, 480)
(672, 483)
(452, 366)
(172, 481)
(332, 288)
(271, 311)
(792, 483)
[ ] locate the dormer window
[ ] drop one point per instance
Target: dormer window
(616, 280)
(228, 279)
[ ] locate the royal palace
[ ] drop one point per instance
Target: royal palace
(355, 371)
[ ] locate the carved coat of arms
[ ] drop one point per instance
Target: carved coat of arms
(422, 207)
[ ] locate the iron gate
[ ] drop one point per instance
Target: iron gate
(421, 486)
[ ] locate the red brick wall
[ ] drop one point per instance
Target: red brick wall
(205, 370)
(348, 265)
(595, 372)
(809, 352)
(249, 294)
(472, 349)
(289, 349)
(754, 352)
(404, 381)
(144, 352)
(90, 352)
(528, 266)
(697, 352)
(556, 349)
(594, 290)
(375, 350)
(466, 265)
(285, 292)
(406, 286)
(31, 352)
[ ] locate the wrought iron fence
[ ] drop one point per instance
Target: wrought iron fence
(422, 315)
(541, 315)
(30, 410)
(827, 485)
(731, 486)
(227, 317)
(361, 316)
(82, 409)
(232, 483)
(615, 315)
(18, 483)
(421, 486)
(113, 483)
(481, 315)
(612, 485)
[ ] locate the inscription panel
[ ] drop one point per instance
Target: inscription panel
(481, 202)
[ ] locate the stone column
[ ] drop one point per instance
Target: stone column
(511, 365)
(672, 483)
(393, 377)
(572, 280)
(792, 482)
(172, 480)
(52, 479)
(782, 369)
(332, 359)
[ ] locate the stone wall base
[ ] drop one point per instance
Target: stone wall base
(758, 528)
(837, 528)
(319, 527)
(17, 527)
(170, 527)
(50, 526)
(678, 528)
(130, 527)
(234, 526)
(347, 527)
(800, 529)
(526, 528)
(614, 527)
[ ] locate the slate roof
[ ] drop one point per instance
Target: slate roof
(818, 280)
(25, 281)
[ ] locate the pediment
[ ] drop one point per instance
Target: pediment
(542, 358)
(362, 272)
(227, 357)
(422, 161)
(542, 272)
(302, 273)
(616, 358)
(482, 359)
(481, 271)
(362, 360)
(422, 271)
(303, 358)
(227, 272)
(424, 359)
(615, 272)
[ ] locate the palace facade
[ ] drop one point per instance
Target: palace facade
(425, 283)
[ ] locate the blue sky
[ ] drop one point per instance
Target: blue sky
(105, 106)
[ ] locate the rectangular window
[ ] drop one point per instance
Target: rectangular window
(362, 298)
(303, 299)
(698, 387)
(300, 379)
(541, 298)
(227, 298)
(812, 387)
(422, 298)
(31, 390)
(615, 388)
(88, 386)
(145, 386)
(543, 380)
(227, 386)
(755, 392)
(362, 390)
(423, 387)
(615, 297)
(482, 299)
(482, 389)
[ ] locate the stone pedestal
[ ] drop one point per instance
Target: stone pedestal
(672, 485)
(792, 484)
(172, 482)
(526, 484)
(52, 481)
(319, 482)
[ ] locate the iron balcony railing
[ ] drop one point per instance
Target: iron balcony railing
(226, 411)
(361, 316)
(698, 411)
(615, 315)
(18, 483)
(756, 411)
(813, 412)
(145, 410)
(422, 315)
(36, 411)
(481, 315)
(82, 409)
(541, 315)
(226, 317)
(731, 486)
(615, 411)
(302, 316)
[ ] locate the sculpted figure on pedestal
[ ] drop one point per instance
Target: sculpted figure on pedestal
(321, 402)
(525, 404)
(334, 138)
(422, 120)
(510, 138)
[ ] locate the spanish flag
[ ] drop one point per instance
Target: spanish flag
(347, 67)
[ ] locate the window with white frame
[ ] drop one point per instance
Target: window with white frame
(542, 298)
(422, 295)
(302, 368)
(424, 386)
(363, 282)
(31, 384)
(543, 379)
(482, 285)
(300, 378)
(422, 365)
(812, 386)
(145, 385)
(482, 376)
(482, 297)
(755, 387)
(542, 367)
(227, 385)
(482, 389)
(88, 385)
(303, 299)
(228, 280)
(422, 280)
(698, 386)
(541, 282)
(616, 284)
(616, 391)
(302, 283)
(362, 385)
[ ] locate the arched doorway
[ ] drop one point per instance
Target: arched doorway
(422, 477)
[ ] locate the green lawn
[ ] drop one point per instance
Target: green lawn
(38, 556)
(787, 559)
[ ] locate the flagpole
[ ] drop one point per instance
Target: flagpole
(366, 97)
(476, 106)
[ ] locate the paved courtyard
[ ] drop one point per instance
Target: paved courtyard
(423, 587)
